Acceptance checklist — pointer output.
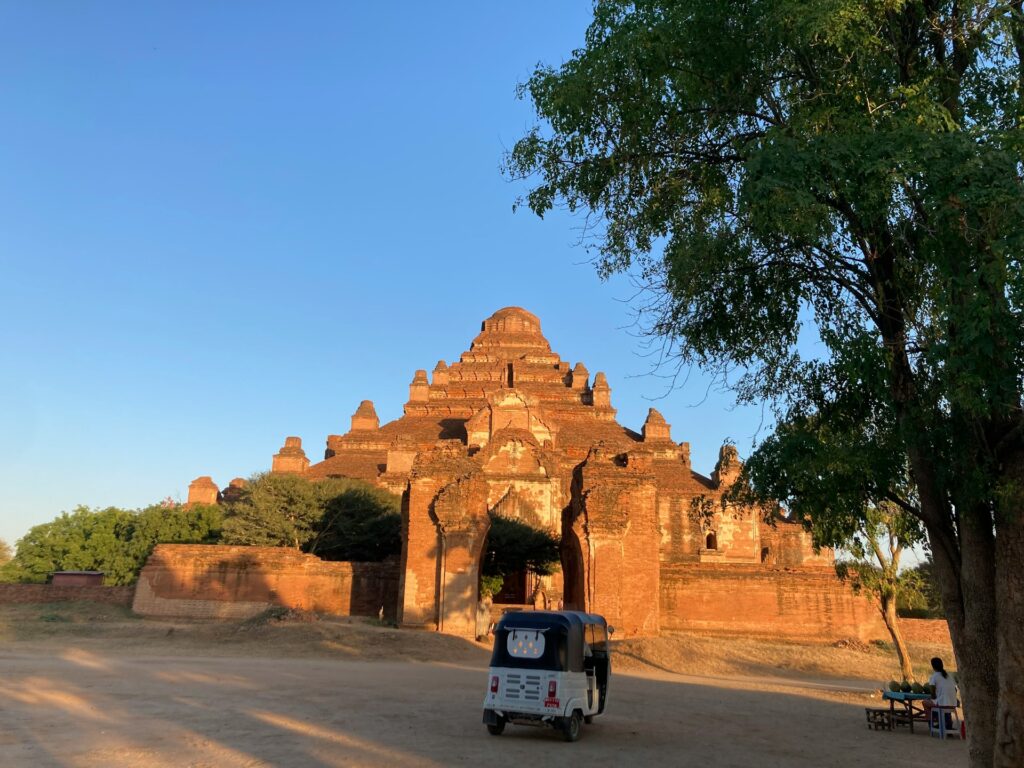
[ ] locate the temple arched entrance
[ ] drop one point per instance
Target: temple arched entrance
(573, 581)
(516, 538)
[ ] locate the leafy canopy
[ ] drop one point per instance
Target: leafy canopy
(514, 546)
(764, 164)
(335, 519)
(115, 541)
(850, 166)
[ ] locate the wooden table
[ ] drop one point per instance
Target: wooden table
(911, 713)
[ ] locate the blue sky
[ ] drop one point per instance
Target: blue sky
(219, 228)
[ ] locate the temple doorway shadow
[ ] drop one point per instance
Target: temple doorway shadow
(574, 593)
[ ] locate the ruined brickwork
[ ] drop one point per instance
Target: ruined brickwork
(20, 594)
(511, 429)
(798, 603)
(214, 581)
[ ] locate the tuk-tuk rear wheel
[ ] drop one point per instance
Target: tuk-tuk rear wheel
(572, 726)
(497, 728)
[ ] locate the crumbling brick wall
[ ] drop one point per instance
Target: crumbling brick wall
(214, 581)
(21, 594)
(926, 631)
(799, 603)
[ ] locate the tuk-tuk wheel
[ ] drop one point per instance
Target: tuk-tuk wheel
(497, 728)
(572, 726)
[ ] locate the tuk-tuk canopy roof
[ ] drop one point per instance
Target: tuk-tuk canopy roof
(550, 619)
(571, 624)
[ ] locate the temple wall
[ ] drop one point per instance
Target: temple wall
(420, 557)
(754, 601)
(926, 631)
(19, 594)
(214, 581)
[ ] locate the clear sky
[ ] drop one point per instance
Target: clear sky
(225, 223)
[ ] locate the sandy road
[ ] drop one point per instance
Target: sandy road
(76, 708)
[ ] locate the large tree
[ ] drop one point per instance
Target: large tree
(335, 519)
(855, 168)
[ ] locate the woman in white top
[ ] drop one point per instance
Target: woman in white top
(945, 688)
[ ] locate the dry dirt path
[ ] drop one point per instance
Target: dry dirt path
(76, 708)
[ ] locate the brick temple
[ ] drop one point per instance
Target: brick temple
(511, 429)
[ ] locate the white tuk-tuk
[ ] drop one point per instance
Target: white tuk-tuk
(548, 668)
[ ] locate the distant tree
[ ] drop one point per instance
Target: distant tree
(514, 546)
(359, 523)
(336, 519)
(114, 541)
(919, 593)
(839, 478)
(274, 510)
(165, 523)
(5, 552)
(877, 547)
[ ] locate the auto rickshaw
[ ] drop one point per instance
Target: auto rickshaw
(548, 668)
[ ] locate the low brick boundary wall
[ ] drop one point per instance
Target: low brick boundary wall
(926, 631)
(216, 581)
(21, 594)
(754, 601)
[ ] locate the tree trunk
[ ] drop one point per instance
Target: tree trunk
(966, 577)
(892, 624)
(975, 638)
(1009, 739)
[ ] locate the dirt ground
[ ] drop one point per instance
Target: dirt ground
(94, 688)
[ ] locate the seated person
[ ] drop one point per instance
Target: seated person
(945, 688)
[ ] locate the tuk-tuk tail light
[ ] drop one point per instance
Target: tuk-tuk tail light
(494, 683)
(552, 689)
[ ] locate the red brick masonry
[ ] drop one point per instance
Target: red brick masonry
(926, 631)
(799, 603)
(214, 581)
(20, 594)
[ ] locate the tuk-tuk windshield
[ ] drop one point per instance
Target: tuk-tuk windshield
(529, 648)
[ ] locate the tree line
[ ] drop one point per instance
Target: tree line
(335, 519)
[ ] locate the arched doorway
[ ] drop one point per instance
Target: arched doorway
(515, 560)
(573, 582)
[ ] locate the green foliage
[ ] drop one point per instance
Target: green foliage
(823, 200)
(274, 510)
(919, 593)
(359, 523)
(850, 166)
(115, 541)
(336, 519)
(5, 552)
(491, 585)
(513, 546)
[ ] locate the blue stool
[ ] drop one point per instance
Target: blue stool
(944, 721)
